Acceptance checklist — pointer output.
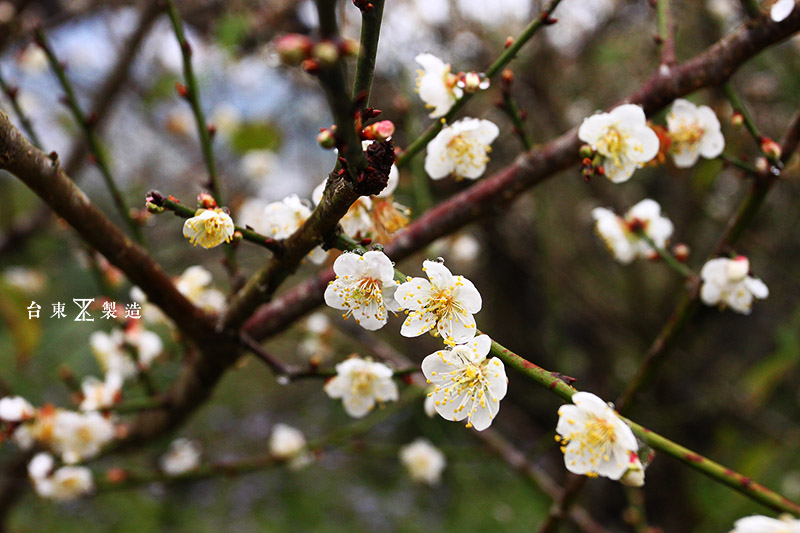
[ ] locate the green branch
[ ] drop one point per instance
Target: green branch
(368, 50)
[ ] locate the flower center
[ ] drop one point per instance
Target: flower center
(613, 144)
(369, 289)
(444, 304)
(387, 218)
(599, 434)
(687, 134)
(461, 151)
(361, 383)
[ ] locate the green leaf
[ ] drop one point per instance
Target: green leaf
(255, 136)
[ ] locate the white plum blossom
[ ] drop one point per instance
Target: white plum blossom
(209, 228)
(622, 138)
(726, 284)
(694, 131)
(15, 409)
(101, 394)
(182, 456)
(466, 383)
(66, 483)
(594, 440)
(364, 287)
(781, 9)
(289, 444)
(79, 436)
(361, 383)
(278, 220)
(195, 284)
(257, 165)
(423, 460)
(764, 524)
(115, 352)
(621, 234)
(437, 85)
(24, 278)
(446, 302)
(461, 149)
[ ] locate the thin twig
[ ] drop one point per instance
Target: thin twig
(11, 93)
(86, 125)
(666, 33)
(504, 59)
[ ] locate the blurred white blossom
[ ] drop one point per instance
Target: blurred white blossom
(423, 461)
(361, 383)
(621, 234)
(726, 283)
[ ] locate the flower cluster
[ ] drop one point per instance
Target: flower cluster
(726, 283)
(625, 236)
(596, 442)
(71, 435)
(125, 351)
(62, 484)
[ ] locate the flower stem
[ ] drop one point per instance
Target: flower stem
(504, 59)
(738, 163)
(87, 126)
(193, 97)
(514, 113)
(666, 35)
(184, 211)
(557, 383)
(738, 106)
(11, 94)
(668, 258)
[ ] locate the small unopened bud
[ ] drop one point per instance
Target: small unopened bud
(206, 201)
(349, 47)
(762, 165)
(507, 76)
(771, 149)
(509, 41)
(293, 48)
(738, 268)
(326, 138)
(737, 119)
(326, 52)
(116, 475)
(154, 209)
(237, 237)
(182, 90)
(310, 65)
(634, 476)
(472, 82)
(586, 151)
(379, 131)
(681, 252)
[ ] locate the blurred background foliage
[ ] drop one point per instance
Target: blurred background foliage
(551, 291)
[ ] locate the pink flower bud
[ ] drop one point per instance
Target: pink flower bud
(771, 149)
(293, 48)
(206, 201)
(326, 138)
(326, 53)
(379, 131)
